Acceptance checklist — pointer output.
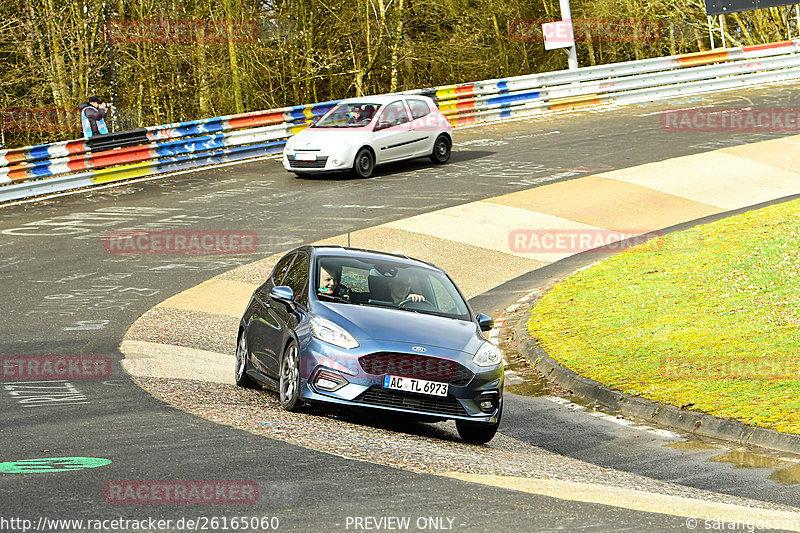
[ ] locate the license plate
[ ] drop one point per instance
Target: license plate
(299, 156)
(421, 386)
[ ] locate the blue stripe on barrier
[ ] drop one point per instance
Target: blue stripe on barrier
(40, 151)
(511, 98)
(502, 86)
(320, 109)
(184, 146)
(297, 113)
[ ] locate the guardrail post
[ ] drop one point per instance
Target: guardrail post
(572, 53)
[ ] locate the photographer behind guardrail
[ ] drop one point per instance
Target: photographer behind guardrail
(93, 117)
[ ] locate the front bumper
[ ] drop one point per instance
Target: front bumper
(364, 390)
(323, 162)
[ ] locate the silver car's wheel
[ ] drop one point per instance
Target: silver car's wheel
(441, 150)
(242, 379)
(290, 378)
(364, 163)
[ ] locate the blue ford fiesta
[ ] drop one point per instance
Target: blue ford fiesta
(361, 328)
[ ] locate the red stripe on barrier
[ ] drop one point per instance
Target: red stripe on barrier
(15, 157)
(465, 90)
(17, 174)
(76, 147)
(755, 47)
(460, 121)
(702, 58)
(467, 105)
(79, 164)
(121, 156)
(262, 119)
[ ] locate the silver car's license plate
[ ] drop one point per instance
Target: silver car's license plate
(304, 156)
(421, 386)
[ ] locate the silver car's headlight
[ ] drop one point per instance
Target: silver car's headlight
(488, 355)
(327, 331)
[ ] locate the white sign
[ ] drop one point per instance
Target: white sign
(558, 34)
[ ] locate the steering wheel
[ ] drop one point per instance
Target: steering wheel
(409, 300)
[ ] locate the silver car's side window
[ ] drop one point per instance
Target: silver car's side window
(419, 108)
(394, 114)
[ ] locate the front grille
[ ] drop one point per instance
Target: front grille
(400, 400)
(319, 163)
(416, 366)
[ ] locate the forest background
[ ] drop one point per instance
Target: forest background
(167, 61)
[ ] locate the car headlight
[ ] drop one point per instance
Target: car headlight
(327, 331)
(488, 355)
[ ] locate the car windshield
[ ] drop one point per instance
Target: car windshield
(348, 115)
(388, 283)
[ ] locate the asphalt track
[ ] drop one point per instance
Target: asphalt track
(63, 294)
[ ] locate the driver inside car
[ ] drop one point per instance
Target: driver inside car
(400, 289)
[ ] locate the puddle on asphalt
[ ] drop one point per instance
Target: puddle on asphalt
(785, 470)
(692, 446)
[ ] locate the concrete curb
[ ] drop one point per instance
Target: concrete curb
(695, 422)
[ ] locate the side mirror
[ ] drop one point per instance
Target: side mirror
(382, 125)
(485, 322)
(282, 293)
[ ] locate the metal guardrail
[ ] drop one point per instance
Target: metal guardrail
(62, 166)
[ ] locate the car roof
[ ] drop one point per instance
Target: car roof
(382, 99)
(370, 255)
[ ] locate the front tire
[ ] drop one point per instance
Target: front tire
(441, 150)
(364, 163)
(477, 433)
(240, 375)
(290, 378)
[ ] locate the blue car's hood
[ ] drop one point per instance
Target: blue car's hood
(377, 323)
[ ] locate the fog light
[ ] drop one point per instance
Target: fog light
(329, 381)
(487, 402)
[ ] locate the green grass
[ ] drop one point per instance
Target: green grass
(708, 318)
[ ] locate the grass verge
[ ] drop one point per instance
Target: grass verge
(707, 319)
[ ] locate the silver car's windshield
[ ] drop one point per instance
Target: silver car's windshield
(348, 115)
(389, 284)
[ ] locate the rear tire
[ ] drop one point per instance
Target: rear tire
(290, 378)
(240, 375)
(441, 150)
(364, 163)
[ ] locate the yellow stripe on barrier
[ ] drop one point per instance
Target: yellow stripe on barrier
(137, 170)
(573, 102)
(702, 58)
